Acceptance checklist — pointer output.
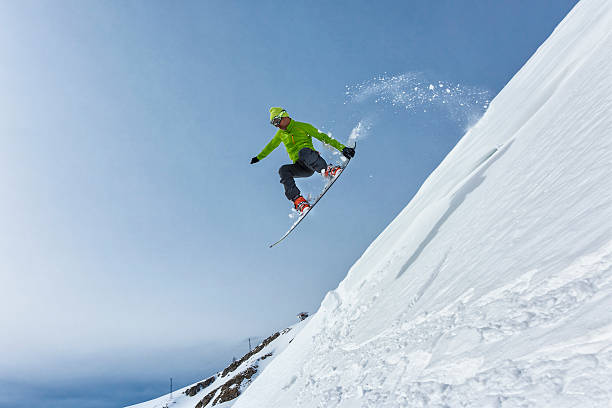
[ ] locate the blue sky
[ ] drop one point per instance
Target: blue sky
(135, 231)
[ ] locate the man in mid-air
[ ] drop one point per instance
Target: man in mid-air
(297, 137)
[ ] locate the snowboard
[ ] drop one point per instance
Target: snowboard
(312, 205)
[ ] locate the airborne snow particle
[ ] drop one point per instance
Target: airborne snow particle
(412, 92)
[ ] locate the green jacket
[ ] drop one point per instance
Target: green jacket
(297, 136)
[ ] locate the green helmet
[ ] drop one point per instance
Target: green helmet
(277, 112)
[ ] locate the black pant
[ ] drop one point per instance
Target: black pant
(308, 162)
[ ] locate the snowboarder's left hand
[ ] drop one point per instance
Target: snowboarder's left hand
(348, 152)
(254, 160)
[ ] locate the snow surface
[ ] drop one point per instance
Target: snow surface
(493, 287)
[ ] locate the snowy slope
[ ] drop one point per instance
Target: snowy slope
(493, 287)
(223, 385)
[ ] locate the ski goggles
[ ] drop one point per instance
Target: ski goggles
(277, 119)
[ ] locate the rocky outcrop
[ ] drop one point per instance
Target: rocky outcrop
(234, 384)
(200, 386)
(228, 391)
(251, 353)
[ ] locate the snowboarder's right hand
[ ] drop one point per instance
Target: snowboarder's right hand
(254, 160)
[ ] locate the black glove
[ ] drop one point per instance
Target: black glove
(254, 160)
(348, 152)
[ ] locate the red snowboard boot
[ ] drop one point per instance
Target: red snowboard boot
(301, 205)
(331, 171)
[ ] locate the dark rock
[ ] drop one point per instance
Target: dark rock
(229, 391)
(266, 356)
(199, 386)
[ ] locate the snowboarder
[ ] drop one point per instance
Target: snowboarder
(297, 137)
